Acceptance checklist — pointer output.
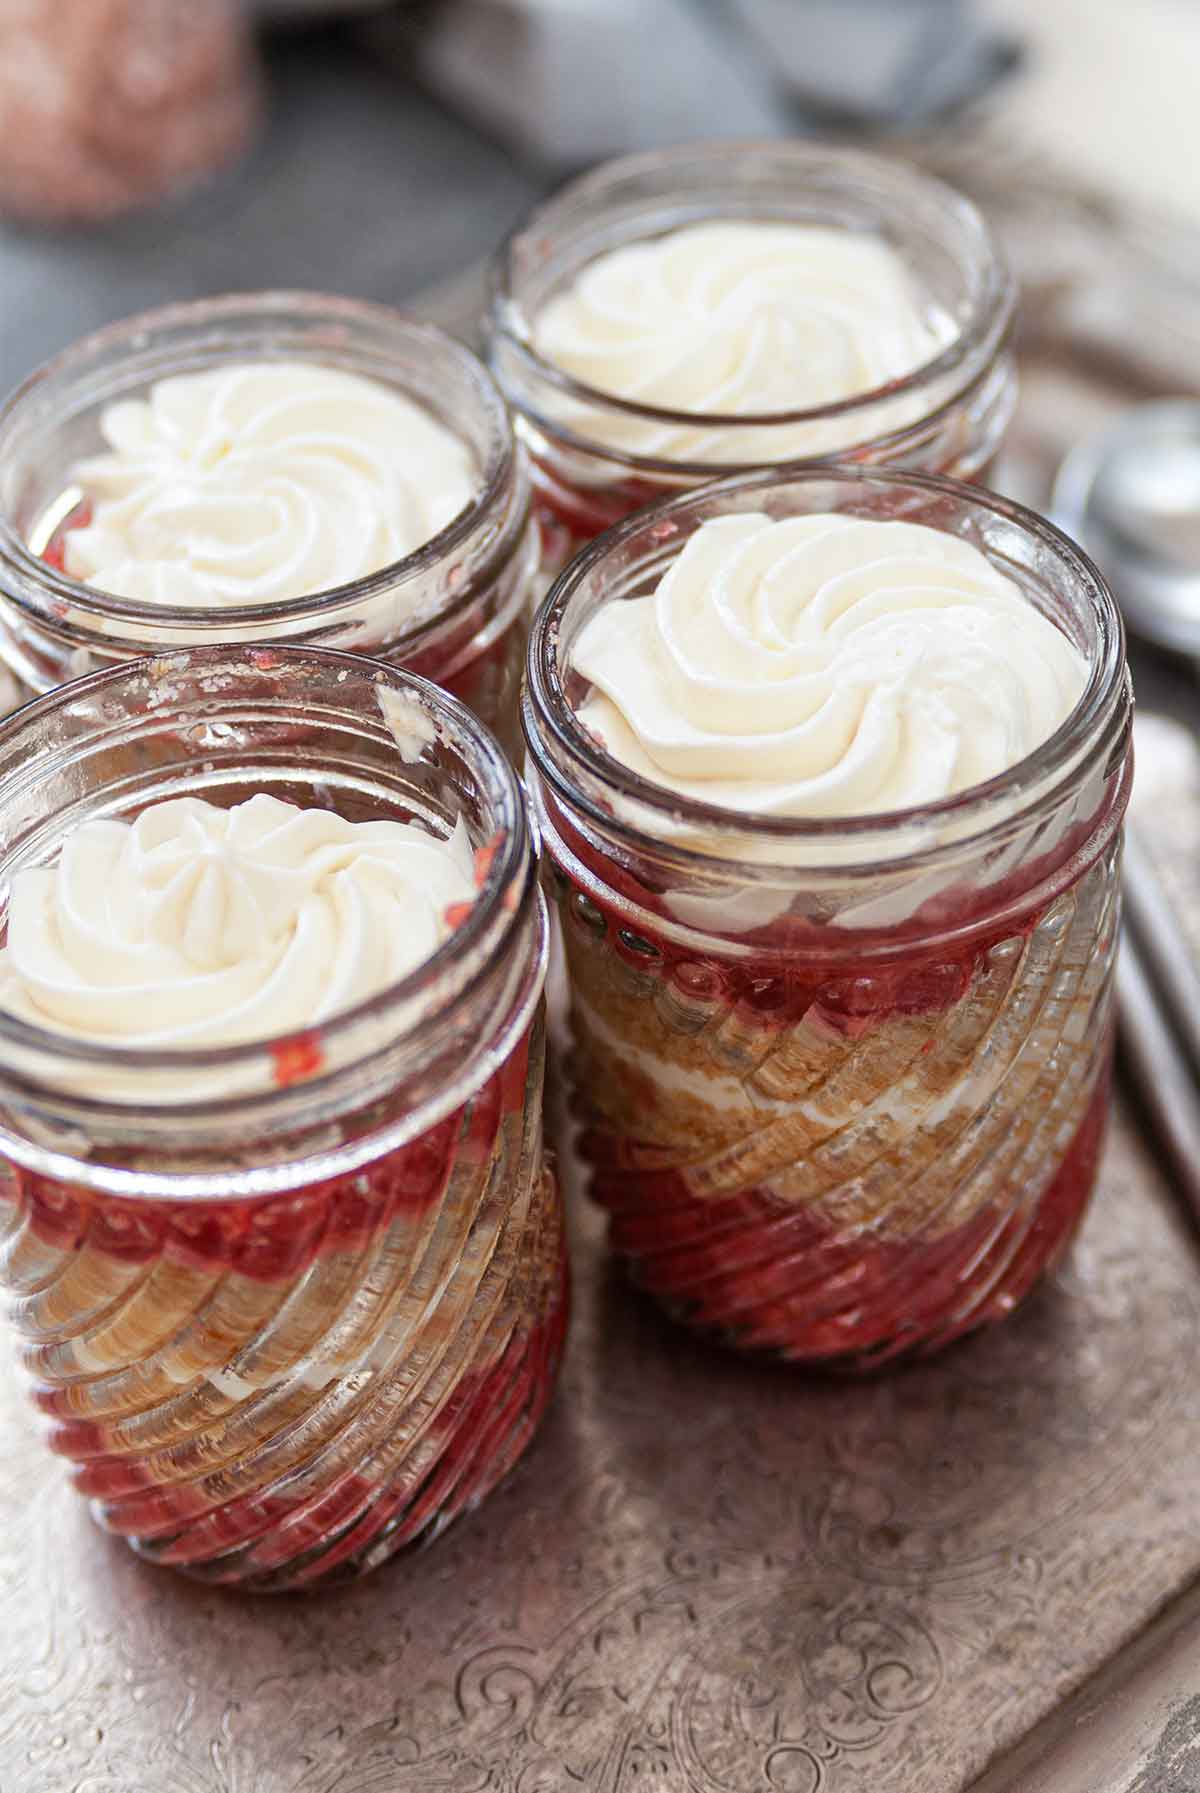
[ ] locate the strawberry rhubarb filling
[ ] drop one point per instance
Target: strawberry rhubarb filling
(278, 1390)
(834, 1138)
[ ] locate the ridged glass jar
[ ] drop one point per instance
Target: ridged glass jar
(453, 611)
(843, 1082)
(296, 1305)
(948, 416)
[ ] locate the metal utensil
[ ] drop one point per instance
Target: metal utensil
(1165, 1078)
(1131, 495)
(1158, 972)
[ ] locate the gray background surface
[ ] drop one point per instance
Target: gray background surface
(360, 184)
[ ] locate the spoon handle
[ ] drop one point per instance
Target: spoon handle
(1170, 956)
(1161, 1070)
(1158, 969)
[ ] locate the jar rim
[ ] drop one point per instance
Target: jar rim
(977, 340)
(554, 733)
(501, 906)
(341, 313)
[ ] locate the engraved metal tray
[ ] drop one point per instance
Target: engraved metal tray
(706, 1577)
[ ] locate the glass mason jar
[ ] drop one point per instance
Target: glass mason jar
(453, 611)
(946, 417)
(843, 1082)
(305, 1312)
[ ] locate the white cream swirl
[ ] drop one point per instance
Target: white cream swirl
(261, 482)
(737, 318)
(196, 926)
(825, 666)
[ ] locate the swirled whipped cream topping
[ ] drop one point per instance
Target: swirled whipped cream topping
(196, 926)
(825, 666)
(739, 318)
(261, 482)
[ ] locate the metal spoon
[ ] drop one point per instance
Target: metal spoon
(1131, 495)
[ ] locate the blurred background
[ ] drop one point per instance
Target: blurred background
(159, 149)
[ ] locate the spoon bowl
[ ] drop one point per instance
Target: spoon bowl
(1130, 494)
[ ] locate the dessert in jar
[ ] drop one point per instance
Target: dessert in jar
(830, 771)
(674, 316)
(271, 467)
(278, 1237)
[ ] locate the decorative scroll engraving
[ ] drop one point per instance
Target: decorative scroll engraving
(709, 1577)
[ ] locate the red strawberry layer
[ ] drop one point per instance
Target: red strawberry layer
(769, 1276)
(277, 1238)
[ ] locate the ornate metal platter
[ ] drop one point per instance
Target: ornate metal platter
(706, 1577)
